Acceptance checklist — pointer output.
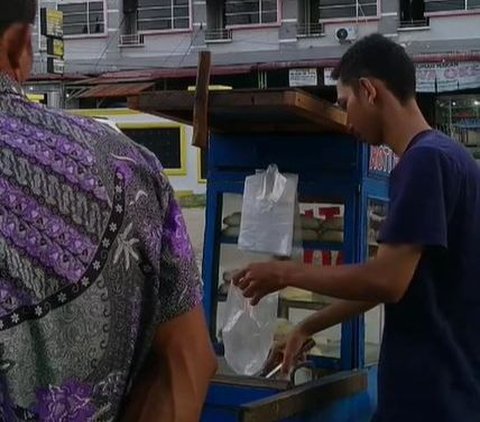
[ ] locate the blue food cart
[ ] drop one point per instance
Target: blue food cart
(342, 198)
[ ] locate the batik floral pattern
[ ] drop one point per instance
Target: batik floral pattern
(176, 234)
(71, 402)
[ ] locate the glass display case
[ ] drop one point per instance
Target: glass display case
(342, 194)
(320, 242)
(374, 319)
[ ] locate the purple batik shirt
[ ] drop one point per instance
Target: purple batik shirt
(94, 255)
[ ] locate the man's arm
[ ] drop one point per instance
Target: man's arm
(174, 383)
(383, 279)
(423, 194)
(336, 313)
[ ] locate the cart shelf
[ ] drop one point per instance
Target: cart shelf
(307, 245)
(291, 303)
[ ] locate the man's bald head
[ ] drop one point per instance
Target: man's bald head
(16, 19)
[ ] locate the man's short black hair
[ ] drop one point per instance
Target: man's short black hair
(378, 57)
(16, 11)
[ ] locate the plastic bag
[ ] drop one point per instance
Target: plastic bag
(268, 211)
(248, 331)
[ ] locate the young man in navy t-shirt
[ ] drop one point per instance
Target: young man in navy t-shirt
(427, 270)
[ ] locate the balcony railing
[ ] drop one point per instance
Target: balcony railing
(132, 40)
(412, 23)
(218, 35)
(310, 30)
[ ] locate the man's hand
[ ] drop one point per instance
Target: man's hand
(288, 352)
(259, 280)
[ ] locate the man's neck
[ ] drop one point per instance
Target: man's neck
(402, 124)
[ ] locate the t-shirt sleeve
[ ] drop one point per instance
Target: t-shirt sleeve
(419, 208)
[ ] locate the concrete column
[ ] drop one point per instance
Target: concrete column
(389, 18)
(199, 19)
(289, 20)
(114, 22)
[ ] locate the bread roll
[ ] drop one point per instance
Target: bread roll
(292, 293)
(233, 220)
(335, 223)
(331, 236)
(310, 223)
(283, 329)
(306, 222)
(309, 235)
(231, 231)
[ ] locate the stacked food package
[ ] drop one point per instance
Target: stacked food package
(312, 229)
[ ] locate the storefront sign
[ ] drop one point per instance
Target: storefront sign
(426, 77)
(51, 23)
(55, 47)
(327, 77)
(382, 160)
(303, 77)
(444, 77)
(55, 66)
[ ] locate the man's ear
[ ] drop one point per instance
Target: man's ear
(368, 89)
(15, 41)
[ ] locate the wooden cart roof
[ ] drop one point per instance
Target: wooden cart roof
(239, 111)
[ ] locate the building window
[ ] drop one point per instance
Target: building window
(83, 18)
(202, 165)
(412, 14)
(433, 6)
(308, 19)
(163, 15)
(250, 12)
(346, 9)
(165, 142)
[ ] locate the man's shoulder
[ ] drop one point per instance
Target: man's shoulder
(435, 142)
(437, 149)
(103, 142)
(91, 125)
(103, 131)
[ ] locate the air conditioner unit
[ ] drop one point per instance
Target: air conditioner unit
(346, 34)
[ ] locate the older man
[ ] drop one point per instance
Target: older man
(100, 297)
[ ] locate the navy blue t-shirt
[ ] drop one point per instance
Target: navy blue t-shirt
(430, 359)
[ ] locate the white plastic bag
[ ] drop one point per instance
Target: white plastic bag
(268, 211)
(248, 331)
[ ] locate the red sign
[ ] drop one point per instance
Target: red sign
(326, 258)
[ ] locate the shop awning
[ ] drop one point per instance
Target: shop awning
(116, 90)
(468, 125)
(230, 111)
(150, 75)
